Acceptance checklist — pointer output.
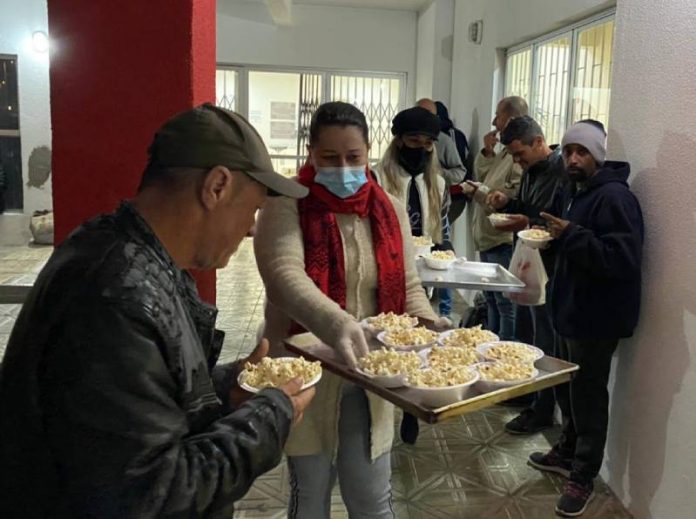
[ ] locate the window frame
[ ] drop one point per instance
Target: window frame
(574, 31)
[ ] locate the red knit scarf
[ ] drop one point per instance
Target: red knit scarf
(324, 258)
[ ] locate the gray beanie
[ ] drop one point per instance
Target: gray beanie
(589, 136)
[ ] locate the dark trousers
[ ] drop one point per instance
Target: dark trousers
(584, 403)
(541, 334)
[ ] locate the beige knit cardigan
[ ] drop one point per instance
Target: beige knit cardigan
(292, 295)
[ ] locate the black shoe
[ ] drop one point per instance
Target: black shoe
(409, 429)
(527, 423)
(520, 401)
(575, 498)
(551, 462)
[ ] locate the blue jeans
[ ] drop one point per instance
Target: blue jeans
(501, 312)
(365, 485)
(445, 305)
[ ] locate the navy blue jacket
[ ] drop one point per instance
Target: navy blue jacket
(595, 292)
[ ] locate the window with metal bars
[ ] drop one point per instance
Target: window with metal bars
(280, 104)
(566, 76)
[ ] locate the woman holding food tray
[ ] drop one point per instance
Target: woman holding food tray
(328, 261)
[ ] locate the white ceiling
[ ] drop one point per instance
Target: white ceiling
(403, 5)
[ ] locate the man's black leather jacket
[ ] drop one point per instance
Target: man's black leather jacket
(110, 403)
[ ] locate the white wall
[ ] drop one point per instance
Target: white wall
(327, 37)
(651, 460)
(19, 19)
(434, 51)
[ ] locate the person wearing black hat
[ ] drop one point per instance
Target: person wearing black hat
(111, 399)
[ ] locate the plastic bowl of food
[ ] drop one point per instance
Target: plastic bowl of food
(438, 388)
(442, 357)
(440, 259)
(422, 245)
(509, 351)
(497, 219)
(499, 375)
(408, 339)
(535, 238)
(274, 372)
(388, 321)
(466, 337)
(387, 367)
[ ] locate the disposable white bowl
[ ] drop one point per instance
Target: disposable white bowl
(422, 250)
(497, 219)
(387, 381)
(375, 330)
(534, 243)
(486, 386)
(438, 264)
(483, 350)
(410, 347)
(423, 354)
(252, 389)
(444, 335)
(441, 396)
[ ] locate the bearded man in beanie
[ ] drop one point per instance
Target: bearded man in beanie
(595, 298)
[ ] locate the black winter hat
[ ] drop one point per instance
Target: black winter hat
(416, 121)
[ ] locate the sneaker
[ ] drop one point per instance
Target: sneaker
(575, 498)
(527, 423)
(551, 462)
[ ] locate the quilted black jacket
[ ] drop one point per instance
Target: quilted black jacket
(110, 403)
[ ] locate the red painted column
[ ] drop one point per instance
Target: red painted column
(118, 71)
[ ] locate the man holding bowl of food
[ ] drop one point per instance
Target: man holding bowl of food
(111, 399)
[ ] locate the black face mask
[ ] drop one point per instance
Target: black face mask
(414, 160)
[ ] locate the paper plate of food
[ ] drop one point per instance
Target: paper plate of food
(406, 339)
(447, 358)
(275, 372)
(535, 238)
(422, 245)
(498, 375)
(440, 259)
(388, 321)
(508, 351)
(388, 367)
(497, 219)
(438, 387)
(466, 337)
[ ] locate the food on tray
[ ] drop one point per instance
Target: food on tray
(389, 362)
(537, 234)
(506, 371)
(409, 337)
(469, 337)
(511, 352)
(452, 357)
(445, 255)
(436, 377)
(276, 372)
(390, 321)
(422, 241)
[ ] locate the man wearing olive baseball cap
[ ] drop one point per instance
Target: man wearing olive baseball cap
(111, 399)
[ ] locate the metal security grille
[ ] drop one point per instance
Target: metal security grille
(226, 81)
(310, 99)
(592, 79)
(566, 76)
(550, 98)
(378, 98)
(518, 73)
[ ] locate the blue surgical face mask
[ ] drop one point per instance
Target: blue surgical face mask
(342, 181)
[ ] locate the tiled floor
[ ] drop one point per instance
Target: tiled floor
(463, 469)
